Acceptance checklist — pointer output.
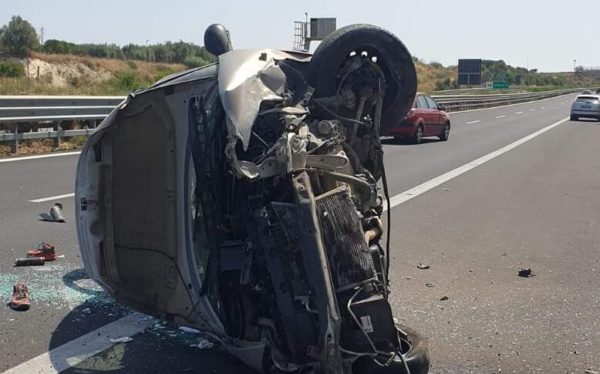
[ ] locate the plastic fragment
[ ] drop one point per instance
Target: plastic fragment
(125, 339)
(189, 329)
(525, 272)
(203, 344)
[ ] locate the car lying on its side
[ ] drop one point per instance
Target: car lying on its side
(425, 118)
(242, 199)
(586, 106)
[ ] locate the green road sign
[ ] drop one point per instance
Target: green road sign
(498, 85)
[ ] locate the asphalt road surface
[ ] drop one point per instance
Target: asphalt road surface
(531, 205)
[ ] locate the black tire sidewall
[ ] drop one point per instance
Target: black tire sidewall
(397, 62)
(418, 139)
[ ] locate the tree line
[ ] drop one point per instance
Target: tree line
(19, 38)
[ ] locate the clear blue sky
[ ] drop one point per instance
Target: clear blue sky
(547, 35)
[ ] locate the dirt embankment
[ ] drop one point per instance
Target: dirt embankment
(47, 74)
(64, 73)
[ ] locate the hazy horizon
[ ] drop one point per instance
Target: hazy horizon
(535, 35)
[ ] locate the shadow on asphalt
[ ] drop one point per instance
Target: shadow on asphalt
(159, 349)
(393, 141)
(587, 120)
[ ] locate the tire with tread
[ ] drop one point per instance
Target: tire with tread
(392, 57)
(445, 133)
(418, 137)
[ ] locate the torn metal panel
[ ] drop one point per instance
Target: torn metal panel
(248, 77)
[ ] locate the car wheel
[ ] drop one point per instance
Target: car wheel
(418, 137)
(390, 54)
(415, 352)
(574, 118)
(446, 133)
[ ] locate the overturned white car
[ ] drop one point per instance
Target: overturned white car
(242, 199)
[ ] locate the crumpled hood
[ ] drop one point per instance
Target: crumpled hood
(247, 77)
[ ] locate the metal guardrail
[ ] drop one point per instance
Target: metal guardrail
(455, 103)
(32, 117)
(29, 117)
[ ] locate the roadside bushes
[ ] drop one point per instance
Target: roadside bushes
(11, 69)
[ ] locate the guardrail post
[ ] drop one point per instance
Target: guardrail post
(15, 145)
(58, 134)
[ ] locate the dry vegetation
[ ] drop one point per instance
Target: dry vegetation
(77, 75)
(429, 74)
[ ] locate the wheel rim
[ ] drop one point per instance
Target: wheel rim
(419, 134)
(446, 132)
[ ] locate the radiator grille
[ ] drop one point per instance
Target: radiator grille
(348, 254)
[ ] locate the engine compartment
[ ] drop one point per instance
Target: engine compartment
(291, 210)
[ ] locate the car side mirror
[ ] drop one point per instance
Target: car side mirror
(441, 107)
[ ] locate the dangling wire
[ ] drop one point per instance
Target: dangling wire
(386, 193)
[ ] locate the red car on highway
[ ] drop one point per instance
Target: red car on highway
(426, 118)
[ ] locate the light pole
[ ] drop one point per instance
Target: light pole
(574, 65)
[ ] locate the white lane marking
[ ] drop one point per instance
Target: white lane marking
(532, 109)
(84, 347)
(542, 107)
(36, 157)
(57, 197)
(519, 113)
(501, 116)
(430, 184)
(472, 122)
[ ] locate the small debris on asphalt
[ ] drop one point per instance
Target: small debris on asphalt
(56, 214)
(429, 285)
(444, 298)
(422, 266)
(591, 372)
(577, 353)
(20, 298)
(189, 329)
(45, 250)
(30, 261)
(525, 273)
(203, 344)
(125, 339)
